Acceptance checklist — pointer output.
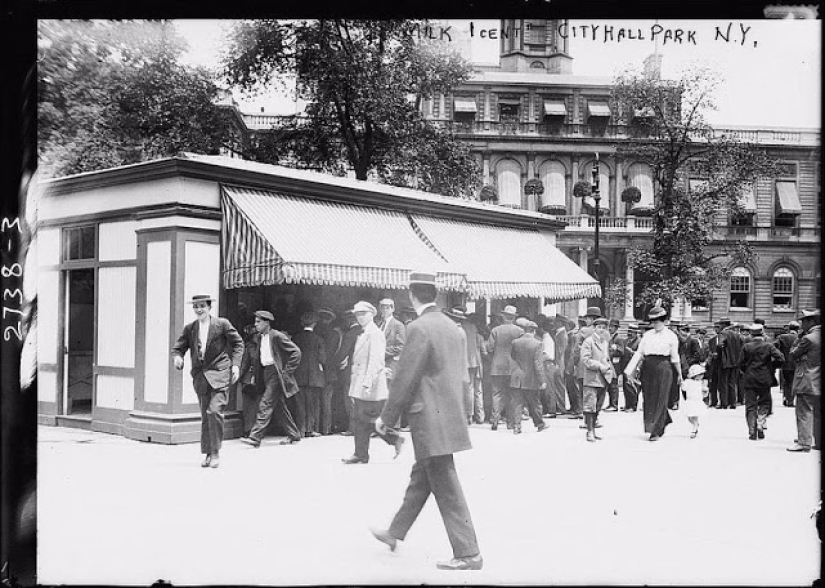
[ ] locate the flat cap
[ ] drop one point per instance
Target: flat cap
(265, 315)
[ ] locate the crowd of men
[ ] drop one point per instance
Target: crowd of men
(522, 368)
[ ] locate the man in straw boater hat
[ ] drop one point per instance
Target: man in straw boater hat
(807, 385)
(275, 360)
(501, 344)
(216, 351)
(759, 362)
(659, 348)
(428, 386)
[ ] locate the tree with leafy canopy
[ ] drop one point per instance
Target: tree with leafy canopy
(686, 258)
(114, 92)
(364, 82)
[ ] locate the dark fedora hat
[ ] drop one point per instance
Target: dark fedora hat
(593, 311)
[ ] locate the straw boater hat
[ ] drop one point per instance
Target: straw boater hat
(724, 321)
(457, 313)
(645, 326)
(657, 313)
(327, 311)
(808, 314)
(695, 370)
(202, 298)
(793, 325)
(593, 311)
(423, 278)
(363, 306)
(633, 327)
(756, 329)
(509, 310)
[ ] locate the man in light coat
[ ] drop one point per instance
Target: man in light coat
(807, 386)
(598, 373)
(428, 386)
(216, 351)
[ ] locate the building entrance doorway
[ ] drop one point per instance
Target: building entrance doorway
(78, 342)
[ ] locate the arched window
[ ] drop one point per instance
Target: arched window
(740, 288)
(783, 288)
(508, 181)
(640, 176)
(555, 187)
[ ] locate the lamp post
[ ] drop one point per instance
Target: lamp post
(594, 185)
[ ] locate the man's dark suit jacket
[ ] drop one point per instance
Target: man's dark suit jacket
(529, 371)
(429, 386)
(310, 371)
(287, 356)
(759, 362)
(784, 343)
(730, 349)
(224, 349)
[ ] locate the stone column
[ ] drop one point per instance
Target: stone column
(486, 165)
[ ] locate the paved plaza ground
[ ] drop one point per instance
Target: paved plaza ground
(549, 508)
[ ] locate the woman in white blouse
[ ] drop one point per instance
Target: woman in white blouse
(658, 352)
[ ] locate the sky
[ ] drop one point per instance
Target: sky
(771, 69)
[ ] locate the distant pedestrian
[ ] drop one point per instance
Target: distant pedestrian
(598, 373)
(428, 386)
(476, 349)
(310, 375)
(275, 360)
(342, 360)
(501, 344)
(216, 350)
(759, 362)
(333, 336)
(784, 342)
(659, 348)
(616, 343)
(368, 385)
(250, 393)
(631, 392)
(527, 379)
(729, 348)
(807, 385)
(694, 390)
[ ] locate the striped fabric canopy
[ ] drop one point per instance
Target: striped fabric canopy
(270, 238)
(503, 262)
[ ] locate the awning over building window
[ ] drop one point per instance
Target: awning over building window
(748, 200)
(272, 238)
(598, 109)
(506, 263)
(554, 108)
(787, 198)
(465, 105)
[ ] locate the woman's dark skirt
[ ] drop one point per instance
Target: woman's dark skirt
(657, 379)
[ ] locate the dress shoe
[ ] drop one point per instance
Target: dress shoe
(462, 563)
(353, 460)
(591, 437)
(542, 427)
(216, 461)
(817, 447)
(251, 441)
(598, 425)
(612, 409)
(346, 433)
(760, 434)
(799, 449)
(582, 426)
(289, 441)
(517, 431)
(752, 436)
(596, 437)
(399, 443)
(732, 406)
(312, 434)
(384, 537)
(654, 438)
(494, 427)
(206, 460)
(404, 429)
(552, 416)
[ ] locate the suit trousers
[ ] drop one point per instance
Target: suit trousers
(522, 396)
(273, 405)
(297, 407)
(554, 393)
(501, 399)
(631, 394)
(341, 406)
(787, 386)
(727, 387)
(310, 399)
(326, 408)
(212, 403)
(808, 420)
(437, 476)
(740, 391)
(364, 413)
(573, 385)
(713, 385)
(251, 398)
(477, 411)
(757, 404)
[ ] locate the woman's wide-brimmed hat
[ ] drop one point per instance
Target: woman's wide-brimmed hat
(695, 370)
(656, 313)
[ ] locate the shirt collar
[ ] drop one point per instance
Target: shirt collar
(424, 307)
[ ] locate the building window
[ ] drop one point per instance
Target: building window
(79, 243)
(699, 304)
(783, 284)
(740, 288)
(509, 183)
(508, 111)
(788, 206)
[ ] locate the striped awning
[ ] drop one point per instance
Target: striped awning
(748, 200)
(787, 198)
(272, 238)
(598, 109)
(503, 262)
(465, 104)
(554, 108)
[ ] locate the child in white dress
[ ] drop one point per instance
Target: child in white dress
(694, 389)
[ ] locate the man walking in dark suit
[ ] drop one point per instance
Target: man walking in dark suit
(730, 354)
(428, 386)
(713, 362)
(759, 361)
(528, 377)
(310, 374)
(501, 344)
(216, 350)
(275, 362)
(784, 343)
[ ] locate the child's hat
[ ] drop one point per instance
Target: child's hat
(695, 370)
